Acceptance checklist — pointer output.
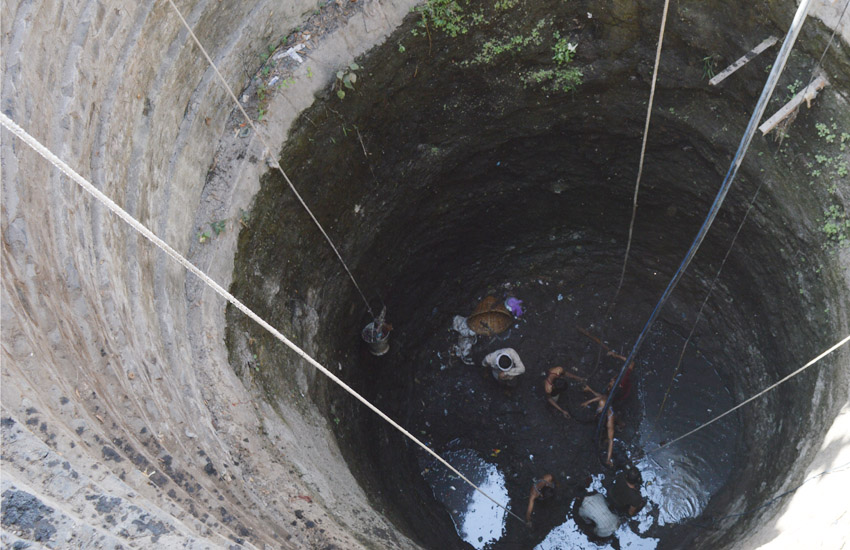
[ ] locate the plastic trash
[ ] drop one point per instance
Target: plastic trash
(465, 340)
(515, 306)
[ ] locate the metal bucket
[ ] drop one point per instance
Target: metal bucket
(378, 340)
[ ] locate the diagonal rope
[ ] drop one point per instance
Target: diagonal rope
(272, 162)
(708, 295)
(756, 396)
(642, 153)
(746, 139)
(176, 256)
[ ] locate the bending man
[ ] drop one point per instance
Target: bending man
(555, 384)
(543, 489)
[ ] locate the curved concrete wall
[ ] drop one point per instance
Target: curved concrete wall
(123, 423)
(120, 409)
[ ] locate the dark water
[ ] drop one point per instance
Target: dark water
(683, 477)
(506, 438)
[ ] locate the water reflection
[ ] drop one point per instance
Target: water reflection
(568, 535)
(680, 479)
(477, 519)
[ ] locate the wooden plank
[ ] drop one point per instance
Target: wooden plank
(807, 95)
(749, 56)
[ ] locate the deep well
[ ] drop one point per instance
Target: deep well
(138, 410)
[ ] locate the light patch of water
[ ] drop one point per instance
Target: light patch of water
(569, 535)
(478, 520)
(596, 484)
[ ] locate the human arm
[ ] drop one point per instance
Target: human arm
(616, 355)
(552, 402)
(531, 498)
(573, 376)
(636, 501)
(592, 400)
(613, 353)
(589, 389)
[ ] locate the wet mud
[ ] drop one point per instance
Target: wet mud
(461, 410)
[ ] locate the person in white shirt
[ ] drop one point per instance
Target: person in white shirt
(594, 510)
(505, 365)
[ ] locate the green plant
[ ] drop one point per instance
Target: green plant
(203, 237)
(505, 4)
(513, 44)
(443, 15)
(309, 72)
(265, 55)
(286, 83)
(266, 70)
(794, 88)
(401, 48)
(824, 132)
(564, 52)
(346, 79)
(836, 226)
(708, 64)
(262, 91)
(568, 80)
(219, 227)
(261, 114)
(244, 217)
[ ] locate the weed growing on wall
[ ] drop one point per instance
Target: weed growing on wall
(830, 167)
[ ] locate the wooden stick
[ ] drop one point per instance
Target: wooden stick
(749, 56)
(594, 338)
(807, 95)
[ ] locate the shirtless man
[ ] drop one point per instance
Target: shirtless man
(625, 495)
(555, 384)
(543, 489)
(600, 400)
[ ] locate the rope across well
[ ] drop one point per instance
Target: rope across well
(207, 280)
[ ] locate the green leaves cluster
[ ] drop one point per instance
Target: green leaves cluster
(564, 52)
(836, 226)
(444, 15)
(346, 79)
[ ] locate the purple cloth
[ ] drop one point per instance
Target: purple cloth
(515, 306)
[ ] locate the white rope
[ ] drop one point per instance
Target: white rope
(756, 396)
(642, 150)
(176, 256)
(272, 162)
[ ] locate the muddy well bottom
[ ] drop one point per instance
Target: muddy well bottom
(505, 438)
